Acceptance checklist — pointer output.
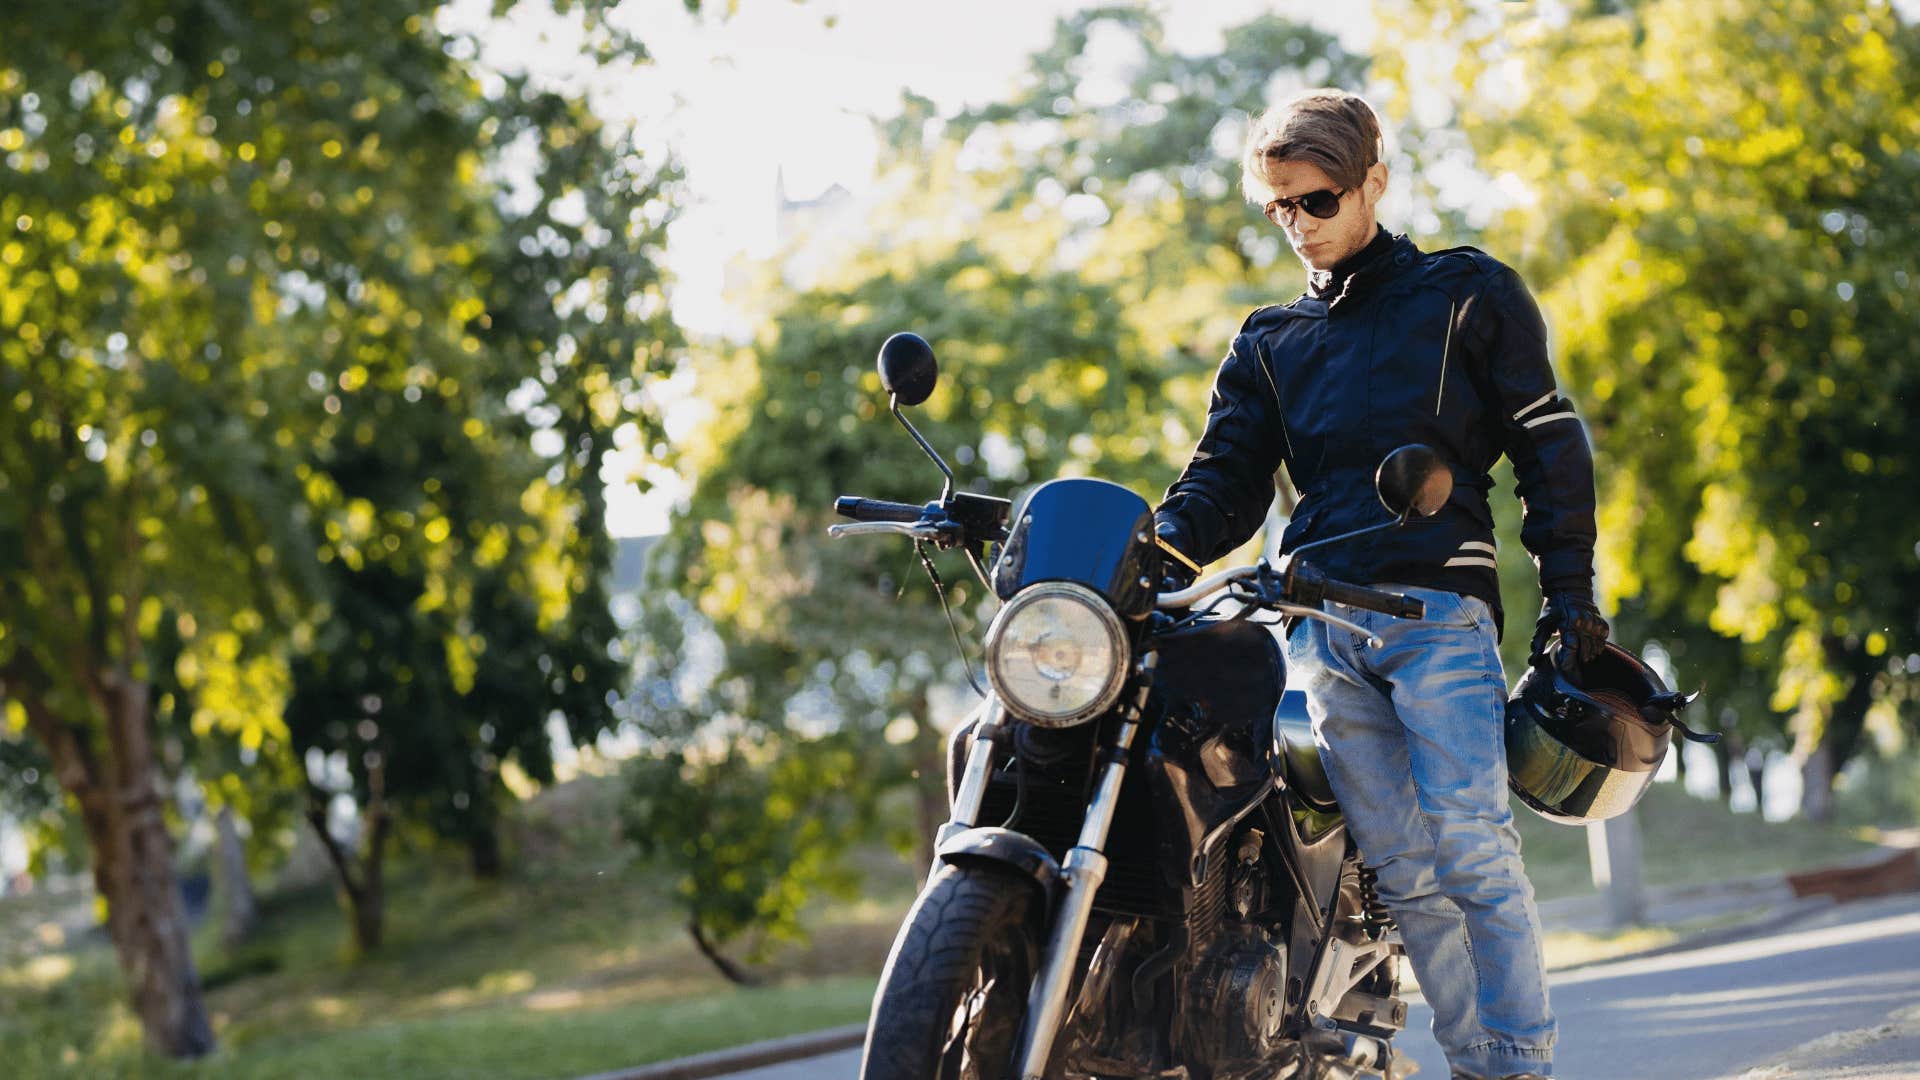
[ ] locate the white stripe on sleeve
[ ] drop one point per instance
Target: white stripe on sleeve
(1550, 418)
(1544, 398)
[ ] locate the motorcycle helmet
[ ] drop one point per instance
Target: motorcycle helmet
(1584, 739)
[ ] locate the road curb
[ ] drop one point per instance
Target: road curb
(741, 1058)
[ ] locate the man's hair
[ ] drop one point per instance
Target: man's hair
(1333, 130)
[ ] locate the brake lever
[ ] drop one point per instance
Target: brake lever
(914, 530)
(1373, 640)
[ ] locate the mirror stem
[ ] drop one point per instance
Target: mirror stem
(1304, 548)
(893, 403)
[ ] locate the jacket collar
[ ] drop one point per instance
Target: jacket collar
(1353, 275)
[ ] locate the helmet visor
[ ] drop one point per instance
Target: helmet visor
(1559, 783)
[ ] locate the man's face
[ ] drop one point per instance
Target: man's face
(1322, 242)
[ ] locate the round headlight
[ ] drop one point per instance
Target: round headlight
(1056, 654)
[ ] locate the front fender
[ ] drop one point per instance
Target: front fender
(990, 843)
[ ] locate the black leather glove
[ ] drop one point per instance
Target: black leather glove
(1571, 613)
(1176, 572)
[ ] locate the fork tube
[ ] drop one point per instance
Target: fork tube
(1084, 869)
(973, 781)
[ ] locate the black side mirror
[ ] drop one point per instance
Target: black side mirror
(907, 368)
(908, 372)
(1414, 480)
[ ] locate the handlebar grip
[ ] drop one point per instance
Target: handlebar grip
(860, 509)
(1400, 607)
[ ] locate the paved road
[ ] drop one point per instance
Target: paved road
(1694, 1015)
(1717, 1012)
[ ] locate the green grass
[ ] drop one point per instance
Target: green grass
(1684, 841)
(578, 963)
(551, 1037)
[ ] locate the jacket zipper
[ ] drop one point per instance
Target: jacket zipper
(1445, 347)
(1279, 410)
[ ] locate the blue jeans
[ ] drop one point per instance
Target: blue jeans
(1411, 733)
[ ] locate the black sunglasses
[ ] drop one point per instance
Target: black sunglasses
(1321, 204)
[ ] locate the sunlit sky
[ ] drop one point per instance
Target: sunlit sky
(790, 88)
(786, 92)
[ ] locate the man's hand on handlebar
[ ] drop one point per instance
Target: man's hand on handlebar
(1300, 586)
(1306, 585)
(1177, 570)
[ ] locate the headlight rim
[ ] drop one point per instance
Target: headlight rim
(1109, 621)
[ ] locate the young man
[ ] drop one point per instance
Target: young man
(1392, 345)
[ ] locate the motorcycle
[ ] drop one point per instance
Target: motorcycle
(1144, 873)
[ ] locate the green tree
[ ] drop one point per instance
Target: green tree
(1722, 215)
(1068, 254)
(819, 637)
(757, 831)
(238, 252)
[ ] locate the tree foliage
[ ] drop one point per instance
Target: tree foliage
(1722, 209)
(759, 834)
(308, 341)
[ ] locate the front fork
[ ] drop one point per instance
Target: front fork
(973, 778)
(1084, 869)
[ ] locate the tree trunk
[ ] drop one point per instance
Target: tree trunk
(483, 830)
(363, 885)
(483, 851)
(238, 910)
(1724, 751)
(1816, 780)
(929, 784)
(369, 918)
(1756, 763)
(1840, 734)
(120, 808)
(731, 971)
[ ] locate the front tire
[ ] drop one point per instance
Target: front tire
(954, 992)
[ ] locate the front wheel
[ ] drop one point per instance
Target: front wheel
(954, 992)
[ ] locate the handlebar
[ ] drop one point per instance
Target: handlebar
(860, 509)
(960, 519)
(1301, 585)
(1400, 607)
(1305, 584)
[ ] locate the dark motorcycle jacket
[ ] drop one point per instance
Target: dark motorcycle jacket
(1395, 346)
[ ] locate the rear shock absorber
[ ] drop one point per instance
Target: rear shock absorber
(1370, 903)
